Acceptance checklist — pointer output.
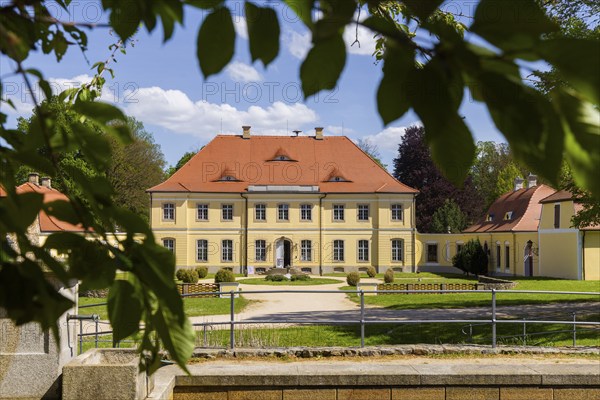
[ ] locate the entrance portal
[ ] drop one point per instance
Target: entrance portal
(283, 253)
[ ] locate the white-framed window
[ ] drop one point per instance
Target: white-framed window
(459, 247)
(227, 212)
(260, 212)
(338, 212)
(169, 244)
(432, 252)
(508, 215)
(363, 250)
(260, 247)
(338, 250)
(306, 250)
(227, 250)
(306, 212)
(396, 210)
(363, 212)
(397, 250)
(202, 212)
(168, 211)
(201, 250)
(283, 212)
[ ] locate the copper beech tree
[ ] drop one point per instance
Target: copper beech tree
(428, 66)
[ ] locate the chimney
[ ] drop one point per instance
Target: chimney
(46, 182)
(246, 129)
(531, 180)
(319, 133)
(518, 183)
(34, 178)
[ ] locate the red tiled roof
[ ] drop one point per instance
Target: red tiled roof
(49, 223)
(2, 192)
(561, 195)
(525, 207)
(312, 163)
(593, 227)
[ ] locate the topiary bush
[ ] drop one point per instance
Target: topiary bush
(276, 278)
(471, 259)
(224, 275)
(187, 275)
(371, 272)
(353, 278)
(388, 277)
(202, 272)
(300, 278)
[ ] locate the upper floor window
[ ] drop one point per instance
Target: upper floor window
(396, 210)
(202, 250)
(227, 212)
(168, 211)
(556, 216)
(397, 249)
(260, 212)
(363, 212)
(338, 250)
(283, 212)
(227, 250)
(306, 212)
(260, 247)
(202, 212)
(363, 250)
(305, 250)
(169, 244)
(338, 212)
(432, 252)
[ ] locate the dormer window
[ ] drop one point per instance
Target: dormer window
(228, 178)
(282, 158)
(489, 218)
(337, 179)
(282, 155)
(508, 216)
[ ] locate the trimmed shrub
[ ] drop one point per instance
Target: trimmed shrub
(224, 275)
(388, 277)
(187, 275)
(276, 278)
(371, 272)
(353, 278)
(471, 259)
(300, 278)
(202, 272)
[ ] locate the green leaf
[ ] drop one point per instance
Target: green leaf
(125, 17)
(124, 309)
(423, 8)
(582, 142)
(99, 112)
(578, 60)
(62, 210)
(323, 65)
(263, 33)
(448, 137)
(28, 206)
(204, 4)
(216, 42)
(512, 25)
(392, 100)
(303, 9)
(177, 335)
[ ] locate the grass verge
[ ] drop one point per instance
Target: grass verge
(311, 282)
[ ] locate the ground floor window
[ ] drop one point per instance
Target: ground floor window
(306, 250)
(507, 258)
(227, 250)
(397, 249)
(498, 255)
(432, 252)
(338, 250)
(260, 250)
(202, 250)
(169, 244)
(363, 250)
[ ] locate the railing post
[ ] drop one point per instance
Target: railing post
(524, 332)
(362, 318)
(232, 325)
(96, 335)
(205, 345)
(493, 318)
(574, 329)
(80, 336)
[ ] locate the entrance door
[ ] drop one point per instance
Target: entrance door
(283, 253)
(529, 266)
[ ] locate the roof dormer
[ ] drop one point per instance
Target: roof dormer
(337, 176)
(282, 155)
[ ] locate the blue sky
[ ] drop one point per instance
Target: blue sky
(161, 85)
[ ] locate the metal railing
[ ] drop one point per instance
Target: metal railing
(363, 319)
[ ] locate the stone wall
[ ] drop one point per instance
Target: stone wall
(495, 283)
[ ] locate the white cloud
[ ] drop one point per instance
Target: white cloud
(174, 110)
(338, 130)
(297, 44)
(366, 42)
(387, 142)
(241, 27)
(241, 72)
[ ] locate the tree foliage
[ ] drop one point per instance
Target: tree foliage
(448, 218)
(427, 65)
(414, 166)
(182, 161)
(372, 151)
(471, 259)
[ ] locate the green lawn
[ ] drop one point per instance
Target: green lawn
(312, 281)
(194, 307)
(466, 300)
